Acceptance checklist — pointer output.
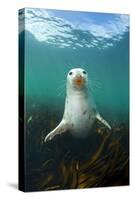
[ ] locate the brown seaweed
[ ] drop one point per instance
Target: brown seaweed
(61, 168)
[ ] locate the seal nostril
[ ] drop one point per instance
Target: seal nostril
(78, 76)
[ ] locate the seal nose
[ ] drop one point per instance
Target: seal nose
(79, 76)
(78, 80)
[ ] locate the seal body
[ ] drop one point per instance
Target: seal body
(80, 110)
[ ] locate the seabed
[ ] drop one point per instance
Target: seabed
(100, 160)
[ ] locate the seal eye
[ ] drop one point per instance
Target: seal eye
(70, 73)
(84, 72)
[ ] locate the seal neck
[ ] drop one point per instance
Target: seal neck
(71, 91)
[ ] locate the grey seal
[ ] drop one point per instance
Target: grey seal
(80, 111)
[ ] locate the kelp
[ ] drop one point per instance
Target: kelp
(68, 164)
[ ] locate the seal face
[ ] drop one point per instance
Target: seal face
(77, 78)
(80, 111)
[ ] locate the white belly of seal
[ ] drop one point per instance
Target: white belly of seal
(80, 115)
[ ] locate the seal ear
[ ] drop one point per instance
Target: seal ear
(103, 121)
(61, 128)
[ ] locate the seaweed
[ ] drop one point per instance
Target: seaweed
(67, 163)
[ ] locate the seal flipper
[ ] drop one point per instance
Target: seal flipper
(61, 128)
(103, 121)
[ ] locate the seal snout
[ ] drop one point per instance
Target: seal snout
(79, 80)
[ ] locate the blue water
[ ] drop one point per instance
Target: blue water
(54, 44)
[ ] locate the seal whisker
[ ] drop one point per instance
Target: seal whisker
(61, 93)
(63, 81)
(95, 84)
(91, 89)
(93, 81)
(61, 89)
